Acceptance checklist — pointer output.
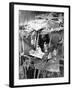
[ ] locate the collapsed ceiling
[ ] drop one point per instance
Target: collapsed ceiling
(44, 23)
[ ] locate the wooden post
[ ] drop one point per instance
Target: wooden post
(37, 40)
(38, 74)
(34, 73)
(25, 72)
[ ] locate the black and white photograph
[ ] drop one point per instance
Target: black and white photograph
(39, 44)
